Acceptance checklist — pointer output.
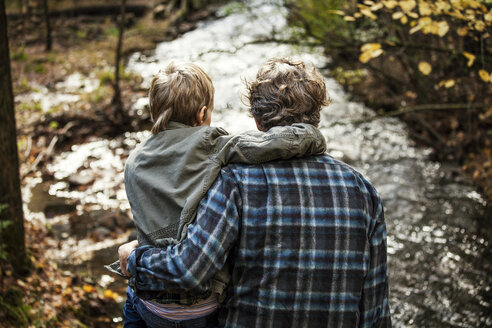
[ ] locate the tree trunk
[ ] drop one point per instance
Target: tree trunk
(49, 42)
(117, 92)
(11, 215)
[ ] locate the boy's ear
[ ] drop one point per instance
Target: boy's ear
(201, 115)
(258, 126)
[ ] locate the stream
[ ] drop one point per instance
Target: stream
(438, 225)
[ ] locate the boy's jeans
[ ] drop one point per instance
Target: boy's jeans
(138, 316)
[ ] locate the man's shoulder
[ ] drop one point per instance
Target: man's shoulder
(323, 161)
(324, 164)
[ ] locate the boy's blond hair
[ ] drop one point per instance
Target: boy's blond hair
(178, 93)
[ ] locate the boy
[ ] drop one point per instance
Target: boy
(169, 173)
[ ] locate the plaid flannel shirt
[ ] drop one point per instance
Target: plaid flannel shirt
(305, 240)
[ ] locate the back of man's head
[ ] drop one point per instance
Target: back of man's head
(286, 91)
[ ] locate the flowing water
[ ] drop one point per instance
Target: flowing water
(438, 225)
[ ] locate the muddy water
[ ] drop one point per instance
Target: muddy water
(438, 225)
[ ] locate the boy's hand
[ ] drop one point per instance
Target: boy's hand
(123, 252)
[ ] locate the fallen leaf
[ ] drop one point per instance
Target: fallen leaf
(88, 288)
(425, 68)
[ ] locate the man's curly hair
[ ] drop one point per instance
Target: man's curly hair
(286, 91)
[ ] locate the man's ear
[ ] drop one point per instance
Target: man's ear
(201, 116)
(258, 126)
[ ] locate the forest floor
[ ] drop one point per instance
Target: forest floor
(51, 296)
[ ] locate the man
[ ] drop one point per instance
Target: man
(305, 239)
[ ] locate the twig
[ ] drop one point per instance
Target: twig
(42, 154)
(28, 147)
(49, 150)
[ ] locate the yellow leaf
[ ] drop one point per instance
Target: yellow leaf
(349, 18)
(88, 288)
(377, 53)
(443, 28)
(449, 84)
(376, 7)
(470, 57)
(462, 31)
(390, 4)
(443, 6)
(425, 9)
(407, 5)
(488, 16)
(336, 12)
(370, 51)
(432, 28)
(367, 12)
(425, 68)
(404, 19)
(397, 15)
(370, 47)
(357, 15)
(479, 26)
(415, 29)
(108, 293)
(365, 57)
(484, 75)
(473, 4)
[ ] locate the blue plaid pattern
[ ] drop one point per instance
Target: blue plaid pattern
(306, 242)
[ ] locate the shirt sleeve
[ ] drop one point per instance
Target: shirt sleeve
(374, 311)
(202, 253)
(281, 142)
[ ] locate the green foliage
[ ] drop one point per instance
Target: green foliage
(23, 86)
(11, 306)
(321, 20)
(54, 125)
(81, 34)
(19, 54)
(233, 8)
(106, 78)
(3, 206)
(38, 68)
(3, 225)
(348, 77)
(112, 31)
(30, 106)
(3, 252)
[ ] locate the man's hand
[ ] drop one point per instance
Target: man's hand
(123, 252)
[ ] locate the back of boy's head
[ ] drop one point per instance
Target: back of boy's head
(178, 93)
(286, 91)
